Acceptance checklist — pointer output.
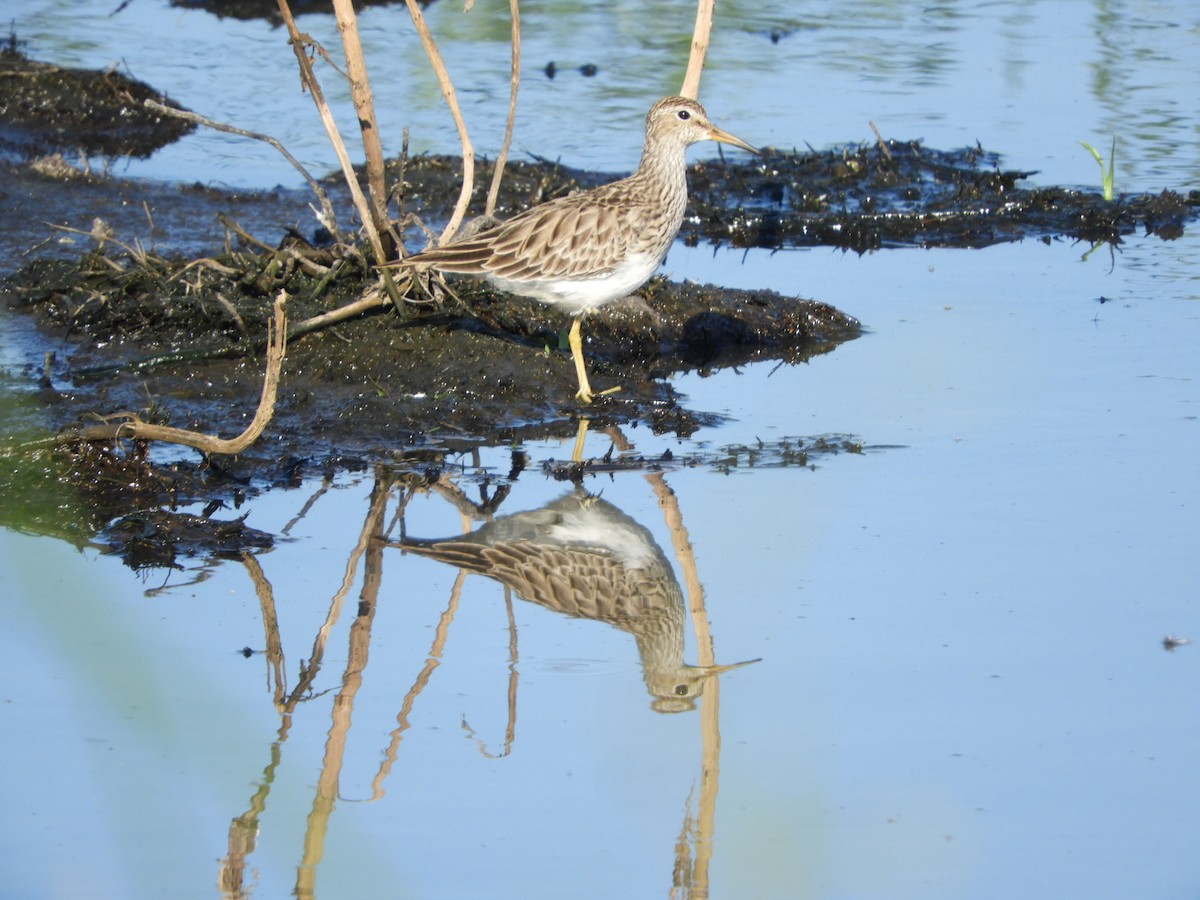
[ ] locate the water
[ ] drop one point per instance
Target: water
(963, 690)
(1027, 79)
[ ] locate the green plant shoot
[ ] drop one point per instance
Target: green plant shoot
(1107, 176)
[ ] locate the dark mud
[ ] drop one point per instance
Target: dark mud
(268, 10)
(46, 109)
(155, 299)
(480, 366)
(904, 194)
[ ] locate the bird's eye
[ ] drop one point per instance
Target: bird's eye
(684, 114)
(681, 689)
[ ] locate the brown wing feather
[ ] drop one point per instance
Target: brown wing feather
(571, 237)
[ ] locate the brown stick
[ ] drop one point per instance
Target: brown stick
(328, 782)
(700, 36)
(882, 143)
(364, 106)
(468, 153)
(277, 671)
(309, 670)
(134, 427)
(687, 561)
(309, 79)
(515, 82)
(371, 300)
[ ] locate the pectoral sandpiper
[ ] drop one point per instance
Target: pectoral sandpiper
(581, 251)
(583, 557)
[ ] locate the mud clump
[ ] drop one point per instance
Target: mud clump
(475, 365)
(904, 194)
(48, 109)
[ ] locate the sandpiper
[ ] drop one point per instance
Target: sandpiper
(583, 557)
(589, 248)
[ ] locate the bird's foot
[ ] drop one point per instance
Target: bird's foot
(585, 395)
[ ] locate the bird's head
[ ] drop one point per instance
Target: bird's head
(683, 118)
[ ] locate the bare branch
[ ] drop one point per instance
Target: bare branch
(373, 299)
(700, 35)
(134, 427)
(468, 153)
(299, 42)
(328, 219)
(515, 83)
(364, 107)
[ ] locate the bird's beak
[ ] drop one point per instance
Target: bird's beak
(718, 134)
(717, 670)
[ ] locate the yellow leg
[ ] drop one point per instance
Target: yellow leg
(584, 394)
(575, 340)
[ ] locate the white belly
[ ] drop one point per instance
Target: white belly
(576, 295)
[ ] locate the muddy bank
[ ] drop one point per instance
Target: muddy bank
(904, 194)
(268, 10)
(475, 365)
(135, 323)
(47, 109)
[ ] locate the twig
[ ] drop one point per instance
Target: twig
(208, 263)
(700, 36)
(364, 107)
(329, 220)
(309, 79)
(515, 82)
(134, 427)
(101, 236)
(246, 236)
(443, 77)
(882, 143)
(373, 299)
(274, 646)
(232, 311)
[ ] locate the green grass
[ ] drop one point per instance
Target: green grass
(1106, 175)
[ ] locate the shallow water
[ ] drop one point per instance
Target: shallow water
(1027, 79)
(963, 690)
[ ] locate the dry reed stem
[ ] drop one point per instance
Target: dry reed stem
(710, 734)
(882, 143)
(367, 536)
(341, 715)
(309, 79)
(432, 660)
(515, 83)
(468, 153)
(373, 299)
(101, 235)
(364, 107)
(700, 38)
(673, 517)
(134, 427)
(277, 666)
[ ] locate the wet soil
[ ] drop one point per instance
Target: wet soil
(268, 10)
(46, 109)
(156, 298)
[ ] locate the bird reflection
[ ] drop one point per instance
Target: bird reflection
(581, 556)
